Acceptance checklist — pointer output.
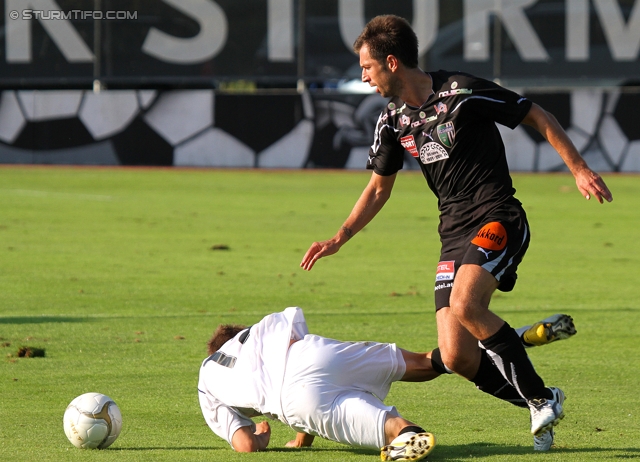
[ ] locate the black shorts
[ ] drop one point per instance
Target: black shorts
(498, 245)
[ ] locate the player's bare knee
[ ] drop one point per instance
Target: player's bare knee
(461, 363)
(467, 308)
(464, 310)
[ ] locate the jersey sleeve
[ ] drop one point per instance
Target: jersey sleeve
(386, 155)
(506, 107)
(298, 323)
(221, 419)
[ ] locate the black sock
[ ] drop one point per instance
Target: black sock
(437, 363)
(514, 364)
(490, 380)
(411, 428)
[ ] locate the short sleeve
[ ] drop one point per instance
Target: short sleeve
(386, 155)
(221, 419)
(503, 106)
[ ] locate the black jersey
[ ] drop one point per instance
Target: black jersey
(454, 138)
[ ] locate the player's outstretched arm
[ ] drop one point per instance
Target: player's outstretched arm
(372, 199)
(302, 440)
(418, 367)
(244, 440)
(589, 183)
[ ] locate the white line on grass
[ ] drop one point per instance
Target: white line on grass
(58, 195)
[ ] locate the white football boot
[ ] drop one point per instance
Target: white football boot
(543, 441)
(409, 446)
(545, 413)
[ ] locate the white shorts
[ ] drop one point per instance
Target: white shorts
(335, 389)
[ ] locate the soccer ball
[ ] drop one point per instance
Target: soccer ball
(92, 421)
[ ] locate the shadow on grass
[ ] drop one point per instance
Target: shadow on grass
(481, 450)
(441, 452)
(38, 319)
(355, 451)
(176, 448)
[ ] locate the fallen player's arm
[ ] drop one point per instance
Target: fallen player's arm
(244, 440)
(302, 440)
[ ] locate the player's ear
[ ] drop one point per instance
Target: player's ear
(392, 63)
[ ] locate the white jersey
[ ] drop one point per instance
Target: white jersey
(244, 377)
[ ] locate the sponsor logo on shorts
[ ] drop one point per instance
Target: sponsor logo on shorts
(446, 270)
(446, 133)
(432, 152)
(485, 252)
(446, 285)
(409, 143)
(491, 236)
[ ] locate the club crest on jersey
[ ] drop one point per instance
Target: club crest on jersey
(409, 143)
(446, 271)
(432, 152)
(405, 120)
(440, 107)
(447, 133)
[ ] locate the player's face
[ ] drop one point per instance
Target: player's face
(377, 74)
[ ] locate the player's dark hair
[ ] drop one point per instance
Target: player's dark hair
(222, 334)
(389, 35)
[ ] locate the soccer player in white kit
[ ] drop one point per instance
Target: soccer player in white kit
(315, 385)
(318, 386)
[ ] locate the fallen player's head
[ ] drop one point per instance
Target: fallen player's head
(222, 334)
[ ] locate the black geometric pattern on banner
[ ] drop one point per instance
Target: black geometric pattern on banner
(323, 154)
(53, 134)
(332, 144)
(558, 104)
(628, 105)
(138, 144)
(257, 121)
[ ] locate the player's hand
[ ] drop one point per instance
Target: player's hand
(318, 250)
(263, 428)
(262, 435)
(244, 440)
(591, 184)
(302, 440)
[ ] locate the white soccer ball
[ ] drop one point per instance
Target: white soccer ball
(92, 421)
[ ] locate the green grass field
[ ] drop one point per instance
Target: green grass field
(114, 273)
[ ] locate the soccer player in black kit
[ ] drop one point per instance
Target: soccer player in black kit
(446, 121)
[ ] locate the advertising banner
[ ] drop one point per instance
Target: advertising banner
(136, 43)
